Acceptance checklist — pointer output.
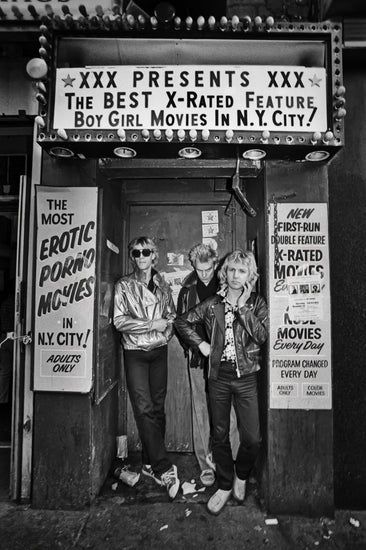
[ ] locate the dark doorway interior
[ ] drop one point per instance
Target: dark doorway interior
(8, 232)
(11, 167)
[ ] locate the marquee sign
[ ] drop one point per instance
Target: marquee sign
(227, 97)
(99, 92)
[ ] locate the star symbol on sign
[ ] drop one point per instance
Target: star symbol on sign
(68, 81)
(315, 81)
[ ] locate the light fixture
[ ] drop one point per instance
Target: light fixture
(254, 154)
(229, 134)
(61, 132)
(125, 152)
(317, 156)
(121, 133)
(164, 12)
(328, 136)
(211, 22)
(181, 134)
(315, 137)
(265, 136)
(190, 152)
(37, 68)
(61, 152)
(200, 22)
(189, 23)
(40, 121)
(193, 134)
(235, 22)
(169, 134)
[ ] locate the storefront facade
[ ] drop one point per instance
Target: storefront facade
(213, 129)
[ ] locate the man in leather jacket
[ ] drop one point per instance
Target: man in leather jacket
(236, 322)
(200, 284)
(143, 313)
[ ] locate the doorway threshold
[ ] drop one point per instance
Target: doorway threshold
(146, 491)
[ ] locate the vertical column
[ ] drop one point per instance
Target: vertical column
(299, 428)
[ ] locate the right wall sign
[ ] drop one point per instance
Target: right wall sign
(299, 300)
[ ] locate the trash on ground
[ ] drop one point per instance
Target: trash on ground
(188, 488)
(128, 477)
(163, 527)
(271, 521)
(114, 486)
(187, 512)
(201, 490)
(326, 532)
(354, 522)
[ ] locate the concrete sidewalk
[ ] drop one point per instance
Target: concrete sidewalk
(112, 523)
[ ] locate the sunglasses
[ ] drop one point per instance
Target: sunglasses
(145, 252)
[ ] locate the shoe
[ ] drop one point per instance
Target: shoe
(239, 487)
(207, 478)
(210, 462)
(170, 480)
(218, 501)
(149, 472)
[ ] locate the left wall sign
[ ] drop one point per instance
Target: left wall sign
(65, 287)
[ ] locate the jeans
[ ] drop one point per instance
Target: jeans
(201, 419)
(243, 392)
(146, 377)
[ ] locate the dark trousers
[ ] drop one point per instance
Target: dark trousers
(242, 392)
(146, 377)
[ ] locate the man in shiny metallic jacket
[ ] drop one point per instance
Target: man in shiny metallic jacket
(143, 313)
(236, 322)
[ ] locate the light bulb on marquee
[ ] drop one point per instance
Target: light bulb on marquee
(229, 134)
(61, 132)
(37, 68)
(235, 22)
(200, 22)
(169, 134)
(181, 134)
(193, 135)
(121, 133)
(211, 22)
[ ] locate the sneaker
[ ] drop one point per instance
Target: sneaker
(170, 480)
(207, 478)
(239, 487)
(149, 472)
(210, 462)
(218, 501)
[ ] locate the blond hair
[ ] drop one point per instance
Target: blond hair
(239, 256)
